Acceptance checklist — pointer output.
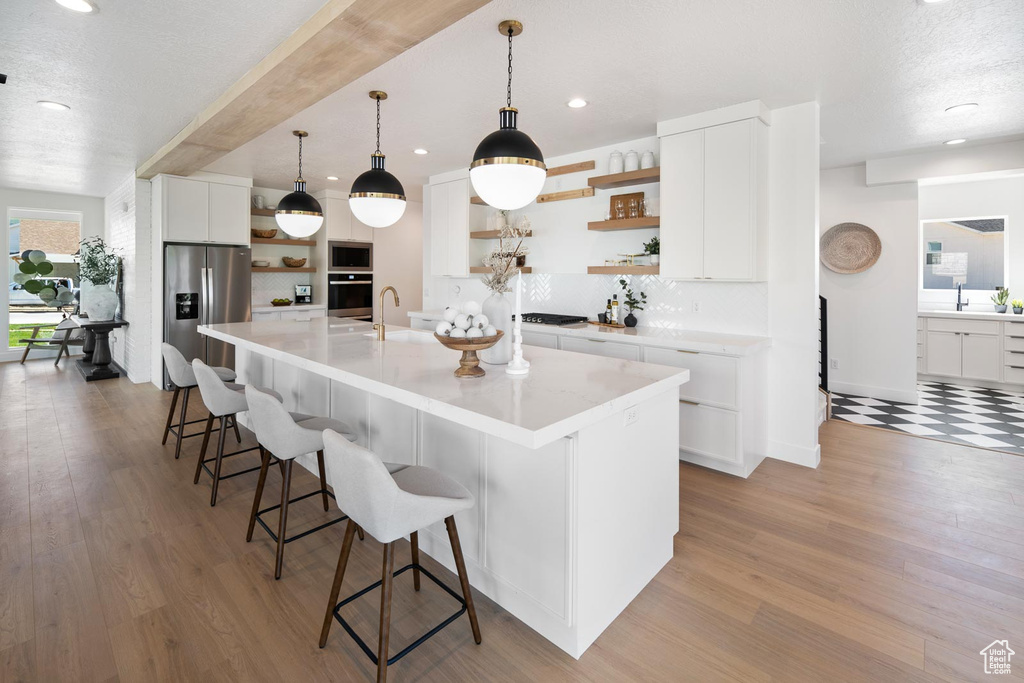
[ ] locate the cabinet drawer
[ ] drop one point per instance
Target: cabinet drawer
(709, 431)
(548, 341)
(969, 326)
(1013, 375)
(317, 313)
(1013, 343)
(920, 323)
(920, 336)
(921, 366)
(1013, 359)
(920, 350)
(265, 316)
(601, 348)
(1014, 330)
(713, 379)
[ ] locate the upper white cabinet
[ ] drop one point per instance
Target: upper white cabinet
(194, 210)
(341, 224)
(449, 228)
(714, 200)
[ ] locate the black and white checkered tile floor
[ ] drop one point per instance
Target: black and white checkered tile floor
(981, 417)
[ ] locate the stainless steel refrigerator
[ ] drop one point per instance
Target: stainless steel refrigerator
(204, 285)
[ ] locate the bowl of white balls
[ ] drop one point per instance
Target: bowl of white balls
(467, 329)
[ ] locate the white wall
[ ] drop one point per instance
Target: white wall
(988, 198)
(872, 315)
(397, 262)
(91, 209)
(948, 163)
(129, 229)
(793, 285)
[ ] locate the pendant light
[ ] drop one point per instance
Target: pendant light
(377, 198)
(298, 213)
(508, 168)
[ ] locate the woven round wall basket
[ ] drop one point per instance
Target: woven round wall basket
(850, 248)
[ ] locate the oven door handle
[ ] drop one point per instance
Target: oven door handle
(348, 282)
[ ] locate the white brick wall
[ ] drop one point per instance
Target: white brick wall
(128, 227)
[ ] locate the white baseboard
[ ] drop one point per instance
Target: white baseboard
(881, 393)
(798, 455)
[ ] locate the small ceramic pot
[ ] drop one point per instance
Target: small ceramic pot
(1018, 311)
(630, 320)
(1001, 309)
(655, 259)
(615, 162)
(632, 162)
(647, 160)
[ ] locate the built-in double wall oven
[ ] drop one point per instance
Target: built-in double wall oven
(350, 280)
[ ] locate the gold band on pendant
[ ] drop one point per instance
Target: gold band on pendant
(299, 213)
(523, 161)
(378, 195)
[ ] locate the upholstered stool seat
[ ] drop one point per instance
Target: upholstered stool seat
(183, 379)
(389, 505)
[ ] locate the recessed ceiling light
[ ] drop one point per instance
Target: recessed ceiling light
(332, 177)
(923, 2)
(83, 6)
(962, 108)
(57, 106)
(577, 103)
(420, 150)
(958, 141)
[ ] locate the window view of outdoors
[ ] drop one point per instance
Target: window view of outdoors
(37, 298)
(967, 252)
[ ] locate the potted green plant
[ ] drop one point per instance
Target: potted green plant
(97, 267)
(653, 249)
(1000, 298)
(632, 303)
(1018, 306)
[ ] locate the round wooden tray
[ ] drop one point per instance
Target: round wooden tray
(469, 364)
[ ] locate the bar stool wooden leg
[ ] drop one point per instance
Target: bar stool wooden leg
(387, 581)
(414, 539)
(170, 415)
(181, 422)
(460, 564)
(286, 487)
(202, 451)
(323, 478)
(265, 455)
(234, 425)
(339, 576)
(220, 457)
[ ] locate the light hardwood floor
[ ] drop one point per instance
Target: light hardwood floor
(898, 559)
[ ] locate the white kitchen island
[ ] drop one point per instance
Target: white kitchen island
(575, 466)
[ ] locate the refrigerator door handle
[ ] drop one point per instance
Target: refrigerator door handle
(204, 298)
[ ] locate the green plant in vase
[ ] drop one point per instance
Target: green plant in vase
(1000, 298)
(653, 249)
(632, 303)
(1018, 306)
(98, 268)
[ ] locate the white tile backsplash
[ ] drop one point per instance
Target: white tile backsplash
(267, 286)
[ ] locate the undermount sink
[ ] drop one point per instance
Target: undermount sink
(407, 337)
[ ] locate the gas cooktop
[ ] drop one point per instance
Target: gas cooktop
(553, 319)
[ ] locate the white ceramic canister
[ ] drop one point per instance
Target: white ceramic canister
(632, 161)
(615, 162)
(647, 160)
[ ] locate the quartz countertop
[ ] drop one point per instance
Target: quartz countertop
(684, 340)
(563, 393)
(293, 307)
(1009, 316)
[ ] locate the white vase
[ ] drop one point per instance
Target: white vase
(615, 162)
(99, 302)
(655, 259)
(647, 159)
(499, 312)
(632, 161)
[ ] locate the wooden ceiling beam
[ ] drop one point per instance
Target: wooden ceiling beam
(344, 40)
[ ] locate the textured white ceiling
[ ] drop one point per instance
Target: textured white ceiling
(134, 74)
(883, 70)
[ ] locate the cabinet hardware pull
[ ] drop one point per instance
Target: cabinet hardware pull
(598, 341)
(1016, 367)
(966, 334)
(689, 403)
(683, 351)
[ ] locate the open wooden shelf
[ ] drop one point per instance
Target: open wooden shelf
(626, 224)
(572, 168)
(288, 242)
(623, 270)
(283, 270)
(263, 212)
(484, 270)
(492, 234)
(641, 177)
(550, 197)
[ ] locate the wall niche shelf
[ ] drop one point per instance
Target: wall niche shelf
(279, 269)
(492, 234)
(263, 212)
(484, 270)
(287, 242)
(623, 270)
(641, 177)
(626, 224)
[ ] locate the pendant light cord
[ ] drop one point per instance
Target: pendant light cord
(378, 124)
(509, 95)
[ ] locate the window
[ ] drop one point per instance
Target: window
(969, 252)
(56, 234)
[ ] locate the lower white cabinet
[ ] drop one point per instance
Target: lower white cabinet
(600, 348)
(960, 348)
(943, 355)
(980, 356)
(293, 314)
(548, 341)
(710, 432)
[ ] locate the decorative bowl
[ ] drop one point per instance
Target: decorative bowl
(293, 262)
(286, 302)
(264, 234)
(469, 364)
(260, 264)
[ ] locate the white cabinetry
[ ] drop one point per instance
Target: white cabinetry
(449, 228)
(599, 347)
(714, 202)
(195, 210)
(300, 314)
(341, 224)
(960, 348)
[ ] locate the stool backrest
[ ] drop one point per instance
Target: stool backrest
(275, 429)
(365, 489)
(217, 397)
(178, 368)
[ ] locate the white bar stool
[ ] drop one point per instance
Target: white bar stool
(183, 378)
(390, 505)
(224, 401)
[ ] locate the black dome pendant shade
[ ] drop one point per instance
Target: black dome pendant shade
(377, 198)
(508, 145)
(377, 182)
(299, 202)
